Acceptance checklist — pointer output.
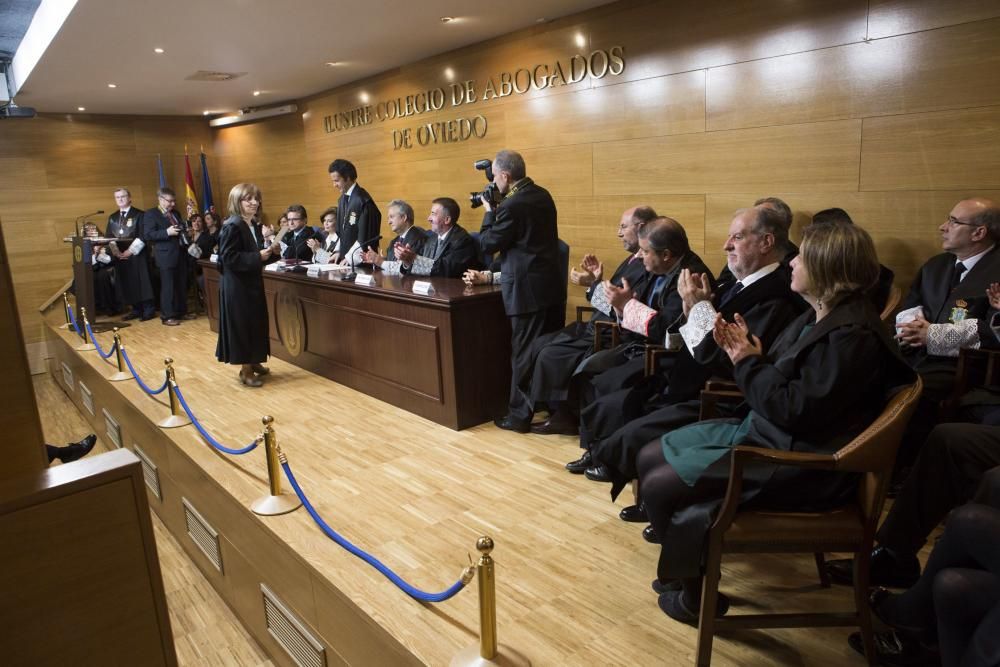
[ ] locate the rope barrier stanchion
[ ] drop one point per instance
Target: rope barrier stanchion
(122, 374)
(487, 651)
(86, 346)
(97, 346)
(413, 592)
(67, 309)
(205, 434)
(177, 415)
(275, 502)
(142, 385)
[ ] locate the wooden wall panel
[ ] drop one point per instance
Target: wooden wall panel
(814, 156)
(948, 150)
(895, 17)
(951, 68)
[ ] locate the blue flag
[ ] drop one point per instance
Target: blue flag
(206, 186)
(159, 167)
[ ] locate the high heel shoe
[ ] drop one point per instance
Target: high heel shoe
(250, 381)
(261, 369)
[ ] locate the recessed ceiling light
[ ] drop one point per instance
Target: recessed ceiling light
(112, 85)
(541, 20)
(204, 113)
(449, 73)
(256, 93)
(157, 50)
(81, 108)
(364, 97)
(581, 41)
(333, 63)
(447, 19)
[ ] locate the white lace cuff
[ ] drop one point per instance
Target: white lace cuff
(422, 266)
(599, 300)
(136, 246)
(945, 340)
(391, 268)
(700, 322)
(636, 316)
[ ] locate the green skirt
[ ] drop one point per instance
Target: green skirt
(692, 449)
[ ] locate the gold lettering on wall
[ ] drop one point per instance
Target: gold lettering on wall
(440, 132)
(598, 64)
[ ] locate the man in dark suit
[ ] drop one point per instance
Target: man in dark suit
(401, 224)
(947, 309)
(164, 229)
(449, 252)
(131, 266)
(358, 218)
(522, 228)
(294, 243)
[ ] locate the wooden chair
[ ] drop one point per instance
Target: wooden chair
(976, 368)
(891, 304)
(850, 528)
(600, 327)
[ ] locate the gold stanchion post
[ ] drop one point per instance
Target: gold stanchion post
(66, 307)
(275, 502)
(487, 651)
(86, 345)
(122, 373)
(177, 415)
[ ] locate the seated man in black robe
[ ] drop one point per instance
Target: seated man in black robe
(294, 244)
(615, 427)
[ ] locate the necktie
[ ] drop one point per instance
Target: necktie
(730, 293)
(438, 248)
(956, 277)
(657, 288)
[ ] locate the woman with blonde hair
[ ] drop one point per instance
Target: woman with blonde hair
(826, 378)
(243, 326)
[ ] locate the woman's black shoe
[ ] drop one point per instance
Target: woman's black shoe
(634, 514)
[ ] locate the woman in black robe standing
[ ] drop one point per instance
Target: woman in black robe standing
(824, 380)
(243, 326)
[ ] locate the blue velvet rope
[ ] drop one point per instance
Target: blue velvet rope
(151, 392)
(208, 438)
(72, 320)
(368, 558)
(90, 332)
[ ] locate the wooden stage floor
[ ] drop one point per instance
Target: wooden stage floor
(573, 581)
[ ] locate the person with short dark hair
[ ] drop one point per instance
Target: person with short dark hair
(131, 264)
(294, 244)
(358, 218)
(880, 292)
(326, 250)
(165, 230)
(449, 252)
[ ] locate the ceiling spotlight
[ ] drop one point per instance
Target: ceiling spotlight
(541, 20)
(204, 113)
(157, 50)
(112, 85)
(364, 97)
(449, 73)
(81, 108)
(256, 93)
(333, 63)
(447, 19)
(581, 41)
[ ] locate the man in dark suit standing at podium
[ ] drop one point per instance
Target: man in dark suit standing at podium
(521, 227)
(358, 218)
(131, 266)
(165, 231)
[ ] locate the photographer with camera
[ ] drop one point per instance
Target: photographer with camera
(163, 228)
(520, 225)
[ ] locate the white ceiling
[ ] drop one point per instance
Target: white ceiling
(281, 45)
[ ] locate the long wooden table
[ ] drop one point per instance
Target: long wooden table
(443, 356)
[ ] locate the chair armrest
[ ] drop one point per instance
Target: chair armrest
(783, 458)
(711, 398)
(969, 361)
(652, 355)
(599, 328)
(581, 310)
(718, 384)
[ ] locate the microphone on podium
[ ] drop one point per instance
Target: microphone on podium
(76, 223)
(360, 246)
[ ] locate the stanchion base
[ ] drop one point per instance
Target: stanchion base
(120, 376)
(506, 656)
(173, 421)
(274, 505)
(64, 326)
(87, 347)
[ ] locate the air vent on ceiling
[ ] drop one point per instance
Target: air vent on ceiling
(208, 75)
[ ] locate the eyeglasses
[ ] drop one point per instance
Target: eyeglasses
(952, 221)
(293, 219)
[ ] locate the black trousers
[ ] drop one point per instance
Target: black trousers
(524, 329)
(947, 473)
(173, 291)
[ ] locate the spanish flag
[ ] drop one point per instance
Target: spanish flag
(192, 198)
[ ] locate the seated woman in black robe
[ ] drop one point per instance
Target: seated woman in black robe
(824, 381)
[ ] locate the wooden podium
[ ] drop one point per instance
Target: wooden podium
(83, 277)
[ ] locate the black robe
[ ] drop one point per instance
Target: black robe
(243, 320)
(814, 392)
(132, 274)
(624, 418)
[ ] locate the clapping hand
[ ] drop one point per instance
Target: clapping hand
(593, 266)
(313, 244)
(372, 257)
(618, 296)
(473, 277)
(993, 294)
(914, 333)
(735, 339)
(404, 253)
(693, 287)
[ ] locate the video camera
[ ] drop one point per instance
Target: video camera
(490, 193)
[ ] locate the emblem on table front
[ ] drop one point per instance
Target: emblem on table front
(290, 321)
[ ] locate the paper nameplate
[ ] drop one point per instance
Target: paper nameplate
(423, 287)
(364, 279)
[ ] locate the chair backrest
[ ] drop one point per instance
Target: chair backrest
(891, 304)
(873, 451)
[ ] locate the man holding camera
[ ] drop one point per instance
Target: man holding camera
(163, 228)
(520, 225)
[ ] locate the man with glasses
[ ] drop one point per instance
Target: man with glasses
(294, 243)
(164, 228)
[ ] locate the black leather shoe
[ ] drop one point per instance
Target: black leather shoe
(673, 604)
(555, 427)
(578, 466)
(649, 534)
(660, 588)
(77, 450)
(508, 423)
(260, 369)
(897, 649)
(886, 570)
(634, 514)
(131, 316)
(597, 474)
